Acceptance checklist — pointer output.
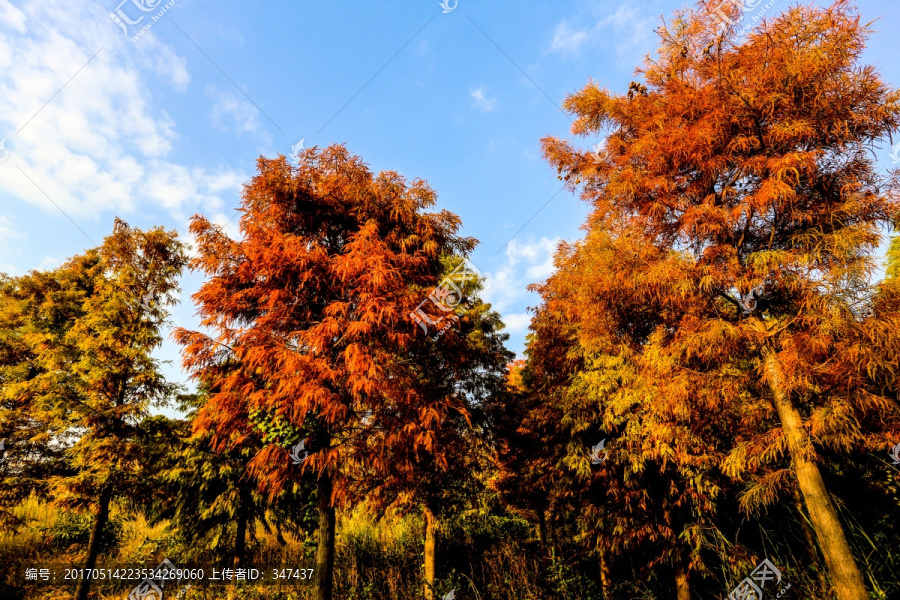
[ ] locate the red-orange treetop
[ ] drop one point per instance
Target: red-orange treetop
(309, 313)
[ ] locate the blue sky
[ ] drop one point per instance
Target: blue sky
(169, 125)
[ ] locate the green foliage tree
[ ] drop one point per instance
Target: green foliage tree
(209, 498)
(37, 311)
(90, 381)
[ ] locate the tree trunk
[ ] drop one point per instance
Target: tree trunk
(810, 538)
(682, 586)
(430, 523)
(240, 538)
(605, 580)
(84, 585)
(542, 531)
(845, 575)
(325, 550)
(551, 535)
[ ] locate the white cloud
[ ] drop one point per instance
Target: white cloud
(636, 29)
(98, 143)
(231, 113)
(12, 16)
(7, 232)
(505, 288)
(624, 16)
(481, 101)
(517, 322)
(51, 262)
(568, 41)
(628, 29)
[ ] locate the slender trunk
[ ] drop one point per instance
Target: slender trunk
(430, 523)
(100, 521)
(325, 550)
(240, 538)
(810, 538)
(682, 585)
(605, 580)
(848, 581)
(542, 531)
(551, 535)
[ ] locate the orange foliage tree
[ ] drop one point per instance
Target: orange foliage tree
(310, 319)
(743, 207)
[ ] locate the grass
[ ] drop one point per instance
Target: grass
(481, 556)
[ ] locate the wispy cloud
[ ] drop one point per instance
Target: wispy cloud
(568, 41)
(628, 29)
(481, 101)
(231, 113)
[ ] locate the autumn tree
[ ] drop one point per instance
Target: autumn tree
(310, 309)
(745, 165)
(37, 310)
(529, 445)
(459, 369)
(650, 490)
(91, 379)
